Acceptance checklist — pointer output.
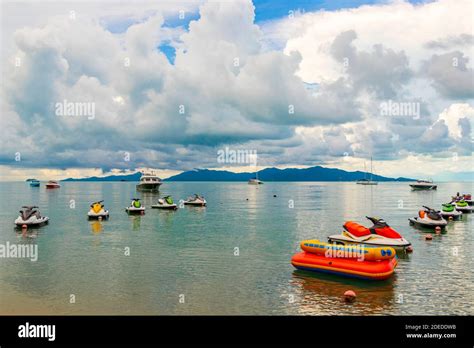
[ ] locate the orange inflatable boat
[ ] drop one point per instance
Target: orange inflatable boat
(378, 270)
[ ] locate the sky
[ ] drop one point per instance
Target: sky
(91, 88)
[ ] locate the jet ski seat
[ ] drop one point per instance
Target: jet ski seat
(359, 230)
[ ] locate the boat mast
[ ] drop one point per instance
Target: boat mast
(370, 168)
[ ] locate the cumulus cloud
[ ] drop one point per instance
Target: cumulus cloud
(451, 75)
(228, 86)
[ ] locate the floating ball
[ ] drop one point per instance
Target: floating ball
(428, 237)
(438, 230)
(409, 249)
(350, 296)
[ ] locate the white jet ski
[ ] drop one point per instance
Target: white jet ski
(197, 200)
(429, 218)
(448, 211)
(30, 216)
(97, 210)
(135, 207)
(463, 206)
(165, 203)
(380, 234)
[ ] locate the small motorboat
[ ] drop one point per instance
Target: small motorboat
(196, 200)
(424, 185)
(30, 216)
(463, 207)
(97, 211)
(34, 183)
(355, 261)
(449, 212)
(165, 203)
(429, 218)
(255, 181)
(135, 207)
(52, 184)
(380, 234)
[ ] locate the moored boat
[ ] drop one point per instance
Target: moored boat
(449, 212)
(97, 211)
(355, 261)
(196, 200)
(463, 207)
(30, 216)
(428, 218)
(135, 207)
(424, 185)
(34, 183)
(380, 234)
(51, 184)
(149, 182)
(165, 203)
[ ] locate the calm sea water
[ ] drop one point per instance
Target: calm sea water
(189, 255)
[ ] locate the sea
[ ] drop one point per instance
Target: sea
(229, 258)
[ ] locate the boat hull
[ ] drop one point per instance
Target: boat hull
(455, 215)
(103, 214)
(135, 211)
(420, 223)
(348, 241)
(147, 187)
(32, 222)
(371, 270)
(165, 207)
(423, 187)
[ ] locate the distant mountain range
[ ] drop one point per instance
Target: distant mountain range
(317, 173)
(125, 177)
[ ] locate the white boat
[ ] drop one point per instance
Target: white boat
(149, 182)
(428, 218)
(135, 207)
(97, 211)
(380, 234)
(197, 200)
(30, 216)
(463, 207)
(255, 182)
(165, 203)
(366, 181)
(448, 211)
(424, 185)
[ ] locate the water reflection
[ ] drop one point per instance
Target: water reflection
(96, 227)
(323, 294)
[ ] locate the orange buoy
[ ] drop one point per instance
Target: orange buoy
(428, 237)
(438, 230)
(349, 296)
(409, 249)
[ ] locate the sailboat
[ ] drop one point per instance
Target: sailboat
(366, 181)
(255, 181)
